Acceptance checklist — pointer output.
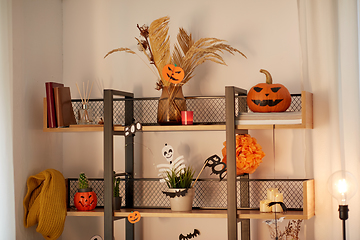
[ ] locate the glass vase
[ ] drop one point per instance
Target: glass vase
(85, 115)
(171, 103)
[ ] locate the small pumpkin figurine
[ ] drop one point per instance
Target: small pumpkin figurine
(85, 199)
(134, 217)
(268, 97)
(173, 73)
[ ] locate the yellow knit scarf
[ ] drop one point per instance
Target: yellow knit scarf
(45, 203)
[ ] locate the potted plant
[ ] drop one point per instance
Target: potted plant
(180, 189)
(85, 199)
(117, 198)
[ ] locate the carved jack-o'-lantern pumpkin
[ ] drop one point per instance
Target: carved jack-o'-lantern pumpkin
(85, 200)
(268, 97)
(173, 74)
(134, 217)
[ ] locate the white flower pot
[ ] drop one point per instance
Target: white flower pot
(182, 203)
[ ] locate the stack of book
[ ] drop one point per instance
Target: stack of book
(59, 108)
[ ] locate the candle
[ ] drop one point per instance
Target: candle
(187, 117)
(278, 198)
(271, 192)
(264, 206)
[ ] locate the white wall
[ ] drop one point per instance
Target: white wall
(266, 31)
(37, 58)
(7, 218)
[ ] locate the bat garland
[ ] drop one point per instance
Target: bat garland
(215, 164)
(190, 235)
(176, 194)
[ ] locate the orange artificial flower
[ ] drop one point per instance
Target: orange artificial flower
(248, 154)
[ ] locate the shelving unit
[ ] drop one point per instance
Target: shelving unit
(235, 123)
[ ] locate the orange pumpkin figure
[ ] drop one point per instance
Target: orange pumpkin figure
(134, 217)
(173, 74)
(268, 97)
(85, 200)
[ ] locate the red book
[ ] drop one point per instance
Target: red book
(51, 114)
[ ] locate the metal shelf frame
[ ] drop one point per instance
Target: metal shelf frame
(232, 109)
(232, 220)
(109, 134)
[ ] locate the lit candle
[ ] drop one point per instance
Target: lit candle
(271, 192)
(187, 117)
(278, 198)
(264, 206)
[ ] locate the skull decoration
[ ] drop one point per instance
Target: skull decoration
(168, 152)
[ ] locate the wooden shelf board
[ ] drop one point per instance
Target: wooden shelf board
(77, 128)
(256, 214)
(172, 128)
(97, 212)
(195, 213)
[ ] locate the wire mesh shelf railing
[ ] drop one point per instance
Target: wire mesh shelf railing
(207, 110)
(209, 193)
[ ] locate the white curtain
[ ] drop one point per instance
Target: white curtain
(7, 202)
(330, 57)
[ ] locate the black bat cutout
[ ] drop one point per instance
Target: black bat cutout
(190, 235)
(176, 194)
(214, 163)
(280, 203)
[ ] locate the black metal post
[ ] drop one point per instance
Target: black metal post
(109, 163)
(231, 167)
(129, 166)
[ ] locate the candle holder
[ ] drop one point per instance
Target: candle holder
(187, 117)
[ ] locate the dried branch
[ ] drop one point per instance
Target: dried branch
(160, 44)
(128, 50)
(205, 49)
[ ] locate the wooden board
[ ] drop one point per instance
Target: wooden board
(195, 213)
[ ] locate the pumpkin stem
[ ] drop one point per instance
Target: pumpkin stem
(268, 76)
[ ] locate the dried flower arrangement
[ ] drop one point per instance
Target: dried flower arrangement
(248, 154)
(291, 231)
(187, 54)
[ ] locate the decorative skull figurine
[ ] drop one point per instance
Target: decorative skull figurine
(168, 153)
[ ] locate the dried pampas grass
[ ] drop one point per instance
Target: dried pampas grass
(128, 50)
(160, 44)
(187, 54)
